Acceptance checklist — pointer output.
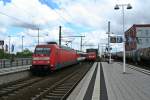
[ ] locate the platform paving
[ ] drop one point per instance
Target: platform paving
(133, 85)
(96, 91)
(79, 92)
(82, 89)
(4, 71)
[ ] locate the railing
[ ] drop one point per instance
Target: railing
(6, 63)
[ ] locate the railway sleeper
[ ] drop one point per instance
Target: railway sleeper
(6, 89)
(61, 89)
(56, 94)
(12, 87)
(4, 97)
(12, 94)
(53, 97)
(2, 92)
(9, 88)
(66, 85)
(62, 92)
(15, 87)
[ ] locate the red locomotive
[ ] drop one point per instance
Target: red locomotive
(91, 56)
(50, 57)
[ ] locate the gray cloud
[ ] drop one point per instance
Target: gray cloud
(27, 25)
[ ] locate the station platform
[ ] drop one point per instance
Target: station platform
(133, 85)
(108, 82)
(89, 86)
(9, 70)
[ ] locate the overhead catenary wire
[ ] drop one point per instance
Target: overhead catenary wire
(12, 17)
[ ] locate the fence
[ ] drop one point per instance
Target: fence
(5, 63)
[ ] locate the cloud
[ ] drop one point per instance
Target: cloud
(29, 13)
(3, 30)
(77, 17)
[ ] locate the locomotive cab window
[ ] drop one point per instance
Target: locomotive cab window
(45, 51)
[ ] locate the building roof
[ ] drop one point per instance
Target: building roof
(141, 25)
(133, 27)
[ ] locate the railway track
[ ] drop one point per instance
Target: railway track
(12, 88)
(61, 89)
(57, 85)
(137, 69)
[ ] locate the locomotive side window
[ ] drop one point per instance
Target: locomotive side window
(45, 51)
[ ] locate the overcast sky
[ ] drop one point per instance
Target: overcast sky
(77, 17)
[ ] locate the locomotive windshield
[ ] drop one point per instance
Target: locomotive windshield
(45, 51)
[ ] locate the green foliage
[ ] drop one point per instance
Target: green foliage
(25, 54)
(4, 55)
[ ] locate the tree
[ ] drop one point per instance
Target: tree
(4, 55)
(25, 54)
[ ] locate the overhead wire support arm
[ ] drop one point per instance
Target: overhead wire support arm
(80, 36)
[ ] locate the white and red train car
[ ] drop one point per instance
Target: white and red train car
(81, 56)
(50, 57)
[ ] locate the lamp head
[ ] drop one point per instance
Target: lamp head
(129, 6)
(116, 7)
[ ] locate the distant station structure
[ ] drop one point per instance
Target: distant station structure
(92, 50)
(1, 44)
(137, 36)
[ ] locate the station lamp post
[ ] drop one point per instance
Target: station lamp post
(22, 43)
(109, 47)
(123, 22)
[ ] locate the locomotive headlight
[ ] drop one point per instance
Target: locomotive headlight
(48, 62)
(34, 62)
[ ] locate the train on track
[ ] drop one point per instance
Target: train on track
(50, 57)
(92, 54)
(140, 56)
